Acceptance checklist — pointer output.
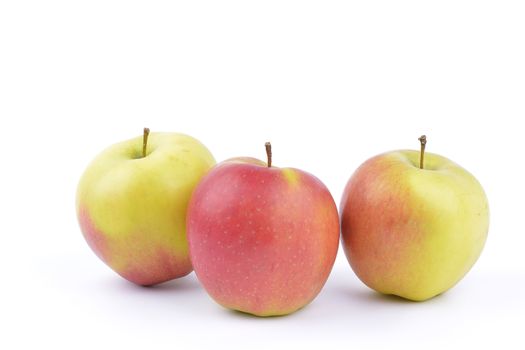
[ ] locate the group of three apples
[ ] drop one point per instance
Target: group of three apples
(263, 239)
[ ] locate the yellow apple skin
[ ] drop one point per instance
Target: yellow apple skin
(132, 209)
(413, 232)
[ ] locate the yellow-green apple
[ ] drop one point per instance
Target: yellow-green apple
(132, 202)
(263, 239)
(413, 224)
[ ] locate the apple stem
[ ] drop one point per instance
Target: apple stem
(268, 146)
(423, 141)
(145, 142)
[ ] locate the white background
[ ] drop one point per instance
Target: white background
(330, 83)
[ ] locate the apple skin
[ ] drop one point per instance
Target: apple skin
(413, 232)
(132, 210)
(262, 240)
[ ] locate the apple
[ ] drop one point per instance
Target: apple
(132, 201)
(413, 224)
(263, 239)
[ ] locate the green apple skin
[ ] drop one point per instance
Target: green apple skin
(132, 209)
(413, 232)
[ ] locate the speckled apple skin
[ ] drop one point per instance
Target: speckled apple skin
(132, 209)
(413, 232)
(262, 240)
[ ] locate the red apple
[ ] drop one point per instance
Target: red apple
(262, 239)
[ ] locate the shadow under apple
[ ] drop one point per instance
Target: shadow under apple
(187, 283)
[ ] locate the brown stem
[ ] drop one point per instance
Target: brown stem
(145, 142)
(268, 146)
(423, 141)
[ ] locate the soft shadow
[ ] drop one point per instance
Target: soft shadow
(186, 283)
(371, 296)
(246, 315)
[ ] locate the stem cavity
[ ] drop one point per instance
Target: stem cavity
(423, 141)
